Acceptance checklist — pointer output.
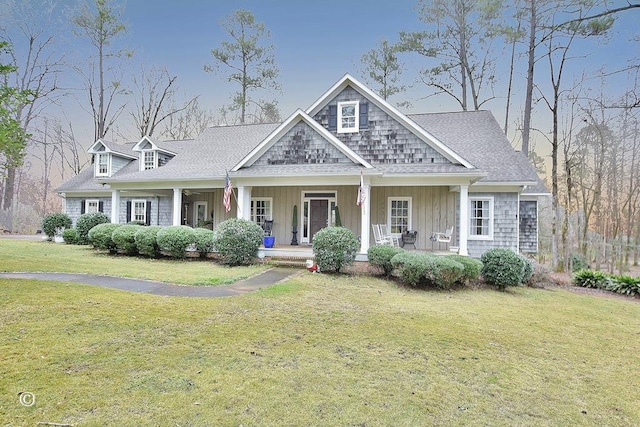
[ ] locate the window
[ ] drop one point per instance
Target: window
(91, 206)
(481, 218)
(139, 211)
(348, 117)
(399, 214)
(150, 159)
(102, 164)
(261, 209)
(200, 213)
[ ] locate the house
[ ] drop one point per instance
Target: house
(422, 172)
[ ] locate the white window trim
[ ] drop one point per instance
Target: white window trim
(143, 165)
(97, 164)
(253, 208)
(356, 127)
(88, 202)
(133, 210)
(409, 207)
(491, 218)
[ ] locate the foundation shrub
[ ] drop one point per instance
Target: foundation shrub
(237, 241)
(175, 239)
(380, 256)
(204, 240)
(124, 239)
(334, 248)
(472, 268)
(146, 241)
(54, 222)
(100, 236)
(502, 268)
(86, 222)
(70, 236)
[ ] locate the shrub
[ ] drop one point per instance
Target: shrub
(472, 268)
(100, 236)
(237, 241)
(624, 285)
(579, 262)
(590, 279)
(175, 239)
(86, 222)
(70, 236)
(124, 238)
(55, 221)
(204, 240)
(334, 248)
(527, 272)
(502, 267)
(146, 241)
(445, 272)
(540, 276)
(380, 256)
(413, 267)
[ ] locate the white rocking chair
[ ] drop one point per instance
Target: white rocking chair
(382, 237)
(442, 237)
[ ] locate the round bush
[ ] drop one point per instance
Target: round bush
(446, 272)
(472, 267)
(527, 271)
(100, 236)
(124, 239)
(334, 248)
(380, 256)
(237, 241)
(70, 236)
(55, 222)
(204, 240)
(502, 268)
(413, 267)
(175, 239)
(86, 222)
(146, 241)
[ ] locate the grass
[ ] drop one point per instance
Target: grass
(40, 256)
(318, 350)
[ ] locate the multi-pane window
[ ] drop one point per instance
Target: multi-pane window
(91, 206)
(261, 210)
(102, 164)
(348, 117)
(480, 221)
(399, 214)
(139, 211)
(149, 159)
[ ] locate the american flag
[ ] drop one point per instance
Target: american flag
(361, 194)
(226, 201)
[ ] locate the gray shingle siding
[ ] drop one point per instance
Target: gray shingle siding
(386, 141)
(74, 206)
(118, 163)
(529, 226)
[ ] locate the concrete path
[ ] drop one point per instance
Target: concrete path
(267, 278)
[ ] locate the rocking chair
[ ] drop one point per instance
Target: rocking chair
(442, 237)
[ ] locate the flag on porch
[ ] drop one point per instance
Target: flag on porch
(226, 201)
(361, 195)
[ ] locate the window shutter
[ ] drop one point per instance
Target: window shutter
(128, 219)
(83, 202)
(100, 206)
(364, 115)
(148, 215)
(333, 117)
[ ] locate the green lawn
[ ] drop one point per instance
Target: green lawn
(317, 350)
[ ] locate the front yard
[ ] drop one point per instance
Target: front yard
(316, 350)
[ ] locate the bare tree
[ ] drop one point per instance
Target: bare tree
(250, 63)
(382, 67)
(187, 123)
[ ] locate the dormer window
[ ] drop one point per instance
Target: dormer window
(102, 164)
(150, 159)
(348, 117)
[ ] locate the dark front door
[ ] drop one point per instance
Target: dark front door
(319, 216)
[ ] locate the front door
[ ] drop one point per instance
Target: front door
(319, 217)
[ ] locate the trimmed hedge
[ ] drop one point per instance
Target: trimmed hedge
(146, 241)
(380, 256)
(70, 236)
(424, 269)
(237, 241)
(472, 268)
(204, 240)
(124, 238)
(334, 248)
(54, 222)
(100, 236)
(175, 239)
(502, 268)
(86, 222)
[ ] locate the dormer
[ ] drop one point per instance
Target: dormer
(106, 160)
(151, 156)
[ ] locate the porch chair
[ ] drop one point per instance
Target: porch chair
(267, 226)
(382, 237)
(442, 237)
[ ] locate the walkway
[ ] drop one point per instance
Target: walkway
(267, 278)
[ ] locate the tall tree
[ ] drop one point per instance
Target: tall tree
(100, 23)
(249, 62)
(460, 37)
(382, 67)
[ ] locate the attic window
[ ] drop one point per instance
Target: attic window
(102, 164)
(348, 116)
(150, 159)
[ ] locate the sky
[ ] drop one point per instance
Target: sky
(316, 43)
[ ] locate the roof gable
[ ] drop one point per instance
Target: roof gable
(293, 142)
(102, 146)
(146, 143)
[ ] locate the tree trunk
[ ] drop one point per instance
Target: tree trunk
(528, 102)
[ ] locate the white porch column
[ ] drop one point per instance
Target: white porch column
(464, 219)
(244, 203)
(115, 206)
(365, 220)
(177, 206)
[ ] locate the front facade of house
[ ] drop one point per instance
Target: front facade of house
(423, 173)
